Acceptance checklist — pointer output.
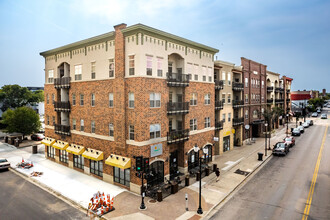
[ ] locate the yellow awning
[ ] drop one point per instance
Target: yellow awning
(61, 145)
(75, 149)
(48, 141)
(93, 154)
(118, 161)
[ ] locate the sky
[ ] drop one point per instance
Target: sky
(290, 37)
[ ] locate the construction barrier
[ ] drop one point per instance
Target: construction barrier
(100, 204)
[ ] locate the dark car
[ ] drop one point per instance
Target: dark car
(37, 137)
(295, 132)
(290, 141)
(280, 148)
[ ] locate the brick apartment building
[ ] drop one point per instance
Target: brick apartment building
(254, 96)
(130, 92)
(287, 82)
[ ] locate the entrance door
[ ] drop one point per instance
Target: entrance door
(179, 125)
(255, 130)
(174, 165)
(179, 97)
(226, 143)
(192, 159)
(157, 173)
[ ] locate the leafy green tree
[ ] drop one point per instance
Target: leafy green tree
(15, 96)
(23, 120)
(277, 112)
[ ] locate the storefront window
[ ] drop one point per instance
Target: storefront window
(50, 152)
(122, 176)
(96, 167)
(63, 156)
(78, 161)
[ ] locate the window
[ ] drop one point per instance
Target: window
(246, 114)
(93, 70)
(223, 98)
(53, 99)
(229, 117)
(93, 127)
(193, 99)
(64, 156)
(224, 117)
(73, 99)
(154, 131)
(74, 124)
(111, 130)
(207, 99)
(262, 84)
(229, 98)
(50, 76)
(50, 152)
(207, 122)
(255, 114)
(131, 132)
(110, 99)
(210, 78)
(47, 98)
(159, 67)
(224, 77)
(53, 120)
(196, 77)
(48, 119)
(204, 78)
(122, 176)
(82, 125)
(111, 68)
(193, 124)
(96, 167)
(229, 78)
(154, 100)
(131, 100)
(246, 82)
(77, 72)
(78, 161)
(246, 98)
(81, 99)
(92, 99)
(149, 65)
(131, 65)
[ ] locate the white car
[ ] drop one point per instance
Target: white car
(324, 116)
(306, 124)
(4, 164)
(301, 128)
(315, 114)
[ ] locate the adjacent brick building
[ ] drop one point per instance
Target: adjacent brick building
(130, 92)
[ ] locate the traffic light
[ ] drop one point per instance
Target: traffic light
(139, 165)
(146, 164)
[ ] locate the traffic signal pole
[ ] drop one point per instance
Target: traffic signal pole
(142, 206)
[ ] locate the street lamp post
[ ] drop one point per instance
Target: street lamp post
(287, 124)
(266, 138)
(269, 129)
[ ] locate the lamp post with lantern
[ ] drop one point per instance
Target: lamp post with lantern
(266, 139)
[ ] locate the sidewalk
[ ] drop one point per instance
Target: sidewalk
(79, 187)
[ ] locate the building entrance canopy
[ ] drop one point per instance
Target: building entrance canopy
(118, 161)
(61, 145)
(93, 154)
(257, 122)
(75, 149)
(48, 141)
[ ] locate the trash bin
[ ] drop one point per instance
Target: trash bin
(34, 149)
(187, 181)
(197, 176)
(12, 141)
(6, 139)
(16, 143)
(207, 171)
(260, 156)
(215, 167)
(174, 187)
(159, 196)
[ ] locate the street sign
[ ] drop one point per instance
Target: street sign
(247, 127)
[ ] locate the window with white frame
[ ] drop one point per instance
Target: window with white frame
(50, 76)
(193, 124)
(47, 98)
(210, 78)
(131, 132)
(78, 72)
(229, 78)
(154, 100)
(96, 167)
(223, 98)
(207, 122)
(229, 98)
(154, 131)
(246, 114)
(224, 77)
(204, 78)
(131, 65)
(53, 120)
(93, 127)
(131, 100)
(196, 77)
(159, 67)
(193, 99)
(111, 68)
(73, 99)
(74, 124)
(122, 176)
(81, 99)
(255, 114)
(262, 84)
(111, 130)
(50, 152)
(224, 117)
(64, 156)
(82, 127)
(149, 65)
(229, 117)
(207, 99)
(110, 99)
(93, 70)
(78, 161)
(53, 99)
(92, 99)
(246, 82)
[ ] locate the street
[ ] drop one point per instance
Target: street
(283, 187)
(21, 199)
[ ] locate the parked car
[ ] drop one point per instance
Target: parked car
(301, 128)
(4, 164)
(280, 148)
(37, 137)
(310, 122)
(324, 116)
(315, 114)
(318, 111)
(295, 132)
(290, 141)
(305, 125)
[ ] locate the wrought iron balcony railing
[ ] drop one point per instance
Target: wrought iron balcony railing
(218, 84)
(279, 100)
(62, 106)
(62, 83)
(219, 125)
(270, 101)
(177, 79)
(177, 108)
(238, 103)
(177, 136)
(218, 105)
(62, 129)
(270, 88)
(238, 86)
(238, 121)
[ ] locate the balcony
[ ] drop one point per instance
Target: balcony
(270, 88)
(177, 136)
(218, 105)
(177, 79)
(177, 108)
(279, 100)
(238, 103)
(288, 90)
(62, 129)
(270, 101)
(62, 83)
(218, 84)
(62, 106)
(278, 89)
(238, 86)
(288, 100)
(238, 121)
(218, 125)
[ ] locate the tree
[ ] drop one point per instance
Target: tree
(15, 96)
(23, 120)
(277, 112)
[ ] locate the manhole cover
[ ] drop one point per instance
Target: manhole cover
(241, 172)
(152, 201)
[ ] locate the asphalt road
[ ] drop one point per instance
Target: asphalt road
(20, 199)
(283, 187)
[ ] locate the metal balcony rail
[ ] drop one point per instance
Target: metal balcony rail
(177, 136)
(63, 82)
(277, 89)
(238, 86)
(219, 125)
(177, 107)
(238, 121)
(218, 84)
(270, 88)
(218, 105)
(62, 106)
(270, 100)
(238, 103)
(62, 129)
(177, 79)
(279, 100)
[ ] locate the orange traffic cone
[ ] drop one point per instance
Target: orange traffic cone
(111, 205)
(102, 210)
(22, 160)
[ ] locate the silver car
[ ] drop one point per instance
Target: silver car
(301, 128)
(4, 164)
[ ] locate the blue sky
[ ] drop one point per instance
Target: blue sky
(290, 37)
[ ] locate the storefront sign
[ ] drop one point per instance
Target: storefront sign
(156, 150)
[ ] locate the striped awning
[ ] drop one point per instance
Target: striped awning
(75, 149)
(48, 141)
(93, 154)
(61, 145)
(118, 161)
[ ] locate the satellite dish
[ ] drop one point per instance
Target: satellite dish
(247, 127)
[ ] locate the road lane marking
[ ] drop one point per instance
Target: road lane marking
(312, 187)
